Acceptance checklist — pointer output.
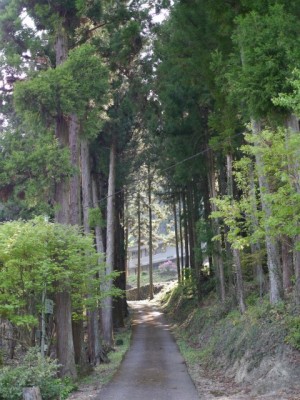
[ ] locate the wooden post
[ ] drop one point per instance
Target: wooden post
(32, 393)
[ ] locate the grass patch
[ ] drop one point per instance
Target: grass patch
(103, 373)
(158, 277)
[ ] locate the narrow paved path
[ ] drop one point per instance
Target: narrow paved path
(153, 368)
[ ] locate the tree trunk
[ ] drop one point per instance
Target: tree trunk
(64, 335)
(185, 232)
(190, 216)
(255, 247)
(151, 294)
(107, 319)
(293, 125)
(239, 280)
(126, 225)
(86, 184)
(217, 255)
(139, 250)
(176, 239)
(119, 304)
(65, 345)
(235, 252)
(75, 215)
(287, 262)
(75, 219)
(100, 249)
(181, 238)
(276, 292)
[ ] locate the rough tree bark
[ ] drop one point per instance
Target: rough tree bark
(293, 125)
(185, 231)
(151, 293)
(235, 252)
(64, 335)
(176, 239)
(217, 254)
(181, 238)
(139, 249)
(99, 353)
(274, 267)
(107, 319)
(255, 247)
(87, 203)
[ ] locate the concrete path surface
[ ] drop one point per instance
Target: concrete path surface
(153, 368)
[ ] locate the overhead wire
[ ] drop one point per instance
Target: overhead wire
(162, 170)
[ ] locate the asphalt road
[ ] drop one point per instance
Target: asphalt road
(153, 368)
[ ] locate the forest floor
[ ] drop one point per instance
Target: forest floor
(210, 384)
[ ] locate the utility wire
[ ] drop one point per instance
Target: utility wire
(163, 170)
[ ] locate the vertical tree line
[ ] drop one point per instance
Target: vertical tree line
(102, 107)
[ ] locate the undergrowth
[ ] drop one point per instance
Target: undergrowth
(216, 335)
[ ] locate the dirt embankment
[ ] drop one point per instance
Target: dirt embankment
(237, 357)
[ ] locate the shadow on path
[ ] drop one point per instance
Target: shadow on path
(153, 368)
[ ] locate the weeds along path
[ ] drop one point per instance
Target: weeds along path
(153, 368)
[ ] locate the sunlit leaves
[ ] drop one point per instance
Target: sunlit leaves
(37, 256)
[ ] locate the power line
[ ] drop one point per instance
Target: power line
(147, 177)
(164, 170)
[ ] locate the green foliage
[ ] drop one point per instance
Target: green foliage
(37, 256)
(78, 86)
(290, 101)
(96, 218)
(293, 336)
(269, 45)
(34, 371)
(30, 165)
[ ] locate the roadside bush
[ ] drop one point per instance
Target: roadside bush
(34, 371)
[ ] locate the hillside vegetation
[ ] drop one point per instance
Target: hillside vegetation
(259, 349)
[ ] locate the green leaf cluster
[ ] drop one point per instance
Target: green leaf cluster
(36, 256)
(34, 371)
(78, 86)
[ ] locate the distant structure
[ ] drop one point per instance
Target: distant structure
(160, 255)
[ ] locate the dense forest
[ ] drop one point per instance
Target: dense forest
(106, 105)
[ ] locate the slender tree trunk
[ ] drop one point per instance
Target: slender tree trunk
(287, 262)
(235, 252)
(75, 215)
(119, 304)
(255, 247)
(181, 238)
(151, 294)
(98, 231)
(186, 232)
(139, 249)
(191, 230)
(75, 219)
(107, 320)
(293, 126)
(64, 335)
(276, 292)
(176, 239)
(100, 249)
(126, 225)
(217, 255)
(87, 202)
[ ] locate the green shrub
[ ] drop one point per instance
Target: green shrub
(34, 371)
(293, 337)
